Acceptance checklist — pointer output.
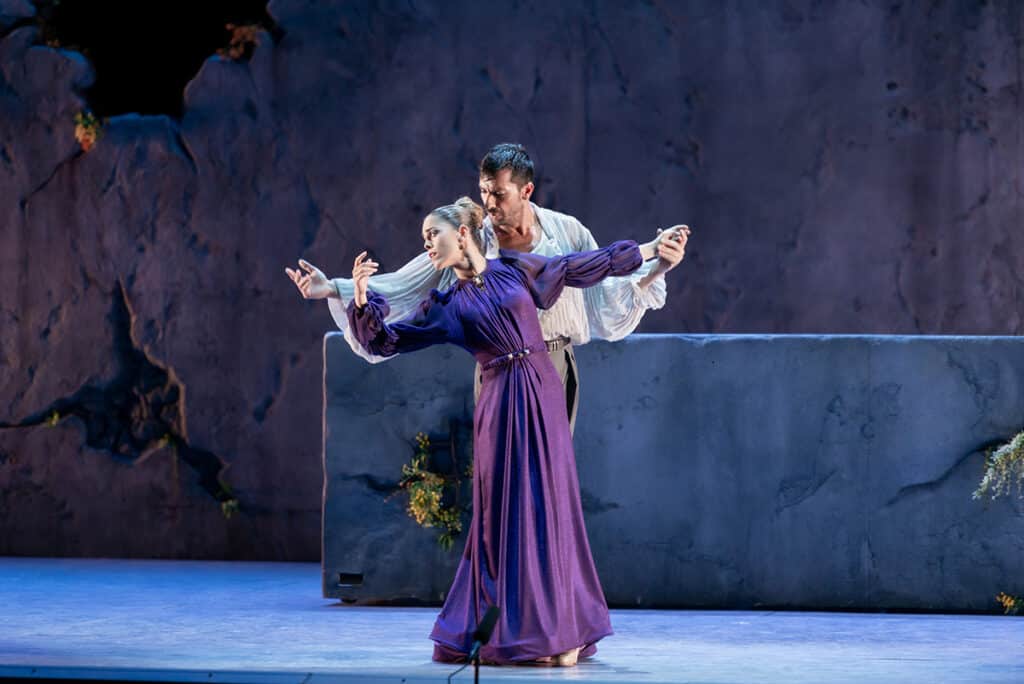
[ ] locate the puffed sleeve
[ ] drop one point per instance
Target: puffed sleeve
(615, 306)
(404, 289)
(428, 325)
(546, 276)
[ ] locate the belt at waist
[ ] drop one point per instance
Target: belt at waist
(509, 358)
(557, 344)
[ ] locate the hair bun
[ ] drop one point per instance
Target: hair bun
(475, 212)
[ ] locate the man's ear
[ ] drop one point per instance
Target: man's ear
(526, 191)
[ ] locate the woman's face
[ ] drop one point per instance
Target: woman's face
(441, 240)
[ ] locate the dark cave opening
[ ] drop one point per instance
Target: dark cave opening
(143, 53)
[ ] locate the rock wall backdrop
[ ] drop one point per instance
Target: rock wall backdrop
(846, 168)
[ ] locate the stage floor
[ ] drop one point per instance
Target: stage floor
(266, 622)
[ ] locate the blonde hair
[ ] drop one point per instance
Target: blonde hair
(464, 211)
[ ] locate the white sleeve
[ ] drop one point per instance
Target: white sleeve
(404, 289)
(615, 306)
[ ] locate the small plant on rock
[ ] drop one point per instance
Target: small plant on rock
(432, 496)
(88, 130)
(244, 40)
(1012, 605)
(229, 508)
(1004, 471)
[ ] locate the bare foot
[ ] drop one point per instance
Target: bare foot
(567, 659)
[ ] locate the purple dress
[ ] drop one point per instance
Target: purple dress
(527, 549)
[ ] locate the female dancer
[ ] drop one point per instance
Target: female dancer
(527, 549)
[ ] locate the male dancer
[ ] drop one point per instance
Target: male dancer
(609, 311)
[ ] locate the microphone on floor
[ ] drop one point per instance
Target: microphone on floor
(481, 636)
(483, 631)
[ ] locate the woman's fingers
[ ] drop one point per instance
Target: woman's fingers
(366, 265)
(672, 251)
(362, 269)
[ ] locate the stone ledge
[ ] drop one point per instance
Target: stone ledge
(795, 471)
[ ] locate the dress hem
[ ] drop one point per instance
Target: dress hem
(458, 655)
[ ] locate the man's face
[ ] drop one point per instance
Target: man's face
(503, 200)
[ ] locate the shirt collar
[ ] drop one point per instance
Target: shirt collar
(491, 240)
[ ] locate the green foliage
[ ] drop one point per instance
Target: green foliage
(1012, 605)
(88, 130)
(1004, 470)
(433, 497)
(229, 507)
(244, 39)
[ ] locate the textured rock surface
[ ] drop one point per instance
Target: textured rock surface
(847, 167)
(795, 471)
(13, 11)
(372, 414)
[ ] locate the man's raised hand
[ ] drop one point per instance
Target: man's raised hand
(313, 284)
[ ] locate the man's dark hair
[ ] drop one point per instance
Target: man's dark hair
(508, 156)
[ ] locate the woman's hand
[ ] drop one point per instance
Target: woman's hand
(313, 284)
(361, 272)
(669, 247)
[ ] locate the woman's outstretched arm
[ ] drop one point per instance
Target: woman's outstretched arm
(428, 325)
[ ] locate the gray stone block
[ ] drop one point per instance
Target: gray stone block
(372, 413)
(737, 471)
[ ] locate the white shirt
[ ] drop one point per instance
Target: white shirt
(609, 310)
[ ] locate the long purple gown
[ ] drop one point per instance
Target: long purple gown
(527, 549)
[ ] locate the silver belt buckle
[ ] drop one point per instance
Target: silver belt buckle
(557, 343)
